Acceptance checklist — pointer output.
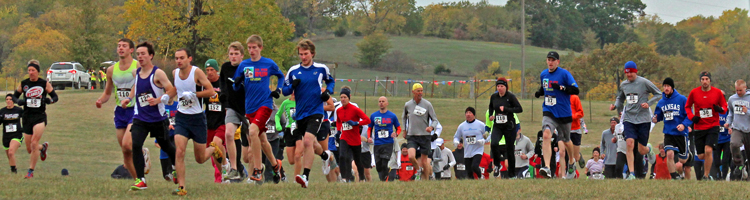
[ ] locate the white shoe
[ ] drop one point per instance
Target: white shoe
(147, 161)
(327, 163)
(301, 180)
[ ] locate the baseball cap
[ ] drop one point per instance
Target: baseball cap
(553, 54)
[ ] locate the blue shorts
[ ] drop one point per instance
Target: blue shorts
(123, 117)
(638, 132)
(191, 126)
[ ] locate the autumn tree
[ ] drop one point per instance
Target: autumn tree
(372, 49)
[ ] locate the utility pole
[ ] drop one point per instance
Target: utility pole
(523, 48)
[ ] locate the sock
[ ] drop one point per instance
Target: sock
(181, 187)
(13, 169)
(31, 170)
(306, 173)
(324, 156)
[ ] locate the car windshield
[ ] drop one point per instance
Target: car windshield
(61, 66)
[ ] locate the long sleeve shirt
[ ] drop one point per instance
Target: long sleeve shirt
(417, 117)
(524, 146)
(739, 120)
(630, 97)
(702, 103)
(349, 133)
(255, 77)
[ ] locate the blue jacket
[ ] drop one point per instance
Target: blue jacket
(254, 78)
(671, 110)
(724, 136)
(313, 78)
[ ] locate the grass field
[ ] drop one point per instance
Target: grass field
(458, 55)
(82, 140)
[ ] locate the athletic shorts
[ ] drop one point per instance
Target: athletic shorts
(563, 129)
(310, 124)
(325, 130)
(703, 138)
(242, 134)
(260, 117)
(288, 139)
(29, 121)
(233, 117)
(218, 131)
(576, 138)
(676, 143)
(14, 136)
(638, 132)
(158, 130)
(366, 159)
(123, 117)
(420, 143)
(191, 126)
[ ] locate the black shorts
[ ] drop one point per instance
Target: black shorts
(709, 137)
(576, 138)
(366, 159)
(310, 124)
(288, 142)
(29, 121)
(243, 132)
(676, 143)
(420, 142)
(324, 131)
(158, 130)
(7, 137)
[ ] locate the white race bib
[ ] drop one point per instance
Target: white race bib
(270, 129)
(419, 111)
(171, 121)
(471, 140)
(33, 103)
(123, 93)
(293, 126)
(345, 126)
(11, 128)
(383, 134)
(706, 113)
(501, 119)
(186, 103)
(669, 116)
(215, 107)
(143, 99)
(632, 98)
(550, 101)
(409, 168)
(481, 169)
(738, 110)
(518, 152)
(721, 129)
(461, 167)
(620, 137)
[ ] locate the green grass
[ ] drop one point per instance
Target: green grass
(460, 56)
(83, 141)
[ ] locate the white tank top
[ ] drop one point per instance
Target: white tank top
(187, 105)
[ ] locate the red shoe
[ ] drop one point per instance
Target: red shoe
(43, 155)
(29, 175)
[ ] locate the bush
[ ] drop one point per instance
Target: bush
(371, 50)
(503, 36)
(442, 69)
(357, 33)
(340, 32)
(398, 61)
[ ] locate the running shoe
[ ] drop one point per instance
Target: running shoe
(29, 175)
(257, 175)
(545, 172)
(708, 178)
(581, 162)
(233, 174)
(302, 180)
(174, 177)
(179, 192)
(138, 185)
(327, 162)
(571, 174)
(168, 177)
(282, 174)
(43, 155)
(497, 171)
(630, 177)
(651, 153)
(418, 175)
(218, 155)
(277, 172)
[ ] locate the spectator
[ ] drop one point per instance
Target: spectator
(660, 167)
(595, 165)
(406, 169)
(609, 149)
(460, 168)
(524, 150)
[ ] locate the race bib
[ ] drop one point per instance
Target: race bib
(11, 128)
(721, 129)
(471, 140)
(706, 113)
(481, 169)
(383, 134)
(738, 110)
(270, 129)
(215, 107)
(550, 100)
(186, 103)
(669, 116)
(620, 137)
(409, 168)
(501, 119)
(143, 99)
(33, 103)
(518, 152)
(419, 111)
(291, 112)
(461, 167)
(346, 127)
(632, 98)
(171, 121)
(293, 126)
(123, 93)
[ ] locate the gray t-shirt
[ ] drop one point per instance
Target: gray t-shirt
(735, 116)
(630, 97)
(365, 146)
(608, 148)
(523, 146)
(417, 117)
(472, 136)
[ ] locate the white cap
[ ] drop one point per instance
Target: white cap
(439, 141)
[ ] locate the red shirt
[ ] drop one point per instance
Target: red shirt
(407, 170)
(485, 165)
(701, 100)
(351, 134)
(660, 168)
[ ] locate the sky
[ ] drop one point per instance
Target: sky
(671, 11)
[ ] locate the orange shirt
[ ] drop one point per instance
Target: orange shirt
(660, 168)
(577, 109)
(407, 170)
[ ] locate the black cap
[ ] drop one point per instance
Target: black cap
(403, 146)
(668, 81)
(705, 73)
(553, 54)
(614, 119)
(472, 110)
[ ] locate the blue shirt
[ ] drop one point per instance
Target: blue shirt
(255, 77)
(312, 79)
(671, 110)
(724, 136)
(556, 101)
(383, 125)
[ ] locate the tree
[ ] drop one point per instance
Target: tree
(44, 44)
(371, 49)
(384, 15)
(606, 65)
(675, 42)
(608, 17)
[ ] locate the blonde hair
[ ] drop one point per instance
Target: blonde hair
(255, 39)
(306, 44)
(36, 62)
(236, 45)
(740, 82)
(346, 87)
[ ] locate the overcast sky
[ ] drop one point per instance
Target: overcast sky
(671, 11)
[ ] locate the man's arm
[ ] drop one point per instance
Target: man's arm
(286, 88)
(689, 106)
(432, 116)
(619, 100)
(655, 91)
(208, 89)
(730, 114)
(107, 88)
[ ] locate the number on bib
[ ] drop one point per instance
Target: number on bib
(33, 103)
(481, 169)
(706, 113)
(632, 98)
(461, 167)
(550, 100)
(409, 168)
(518, 152)
(214, 107)
(738, 110)
(270, 129)
(171, 121)
(721, 129)
(383, 134)
(293, 126)
(11, 128)
(123, 93)
(186, 103)
(419, 111)
(143, 99)
(346, 127)
(669, 116)
(620, 137)
(501, 119)
(471, 140)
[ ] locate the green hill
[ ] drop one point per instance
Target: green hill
(459, 55)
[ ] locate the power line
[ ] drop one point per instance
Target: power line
(704, 4)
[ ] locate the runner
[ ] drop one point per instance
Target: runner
(385, 127)
(609, 149)
(557, 84)
(738, 125)
(634, 93)
(190, 122)
(503, 107)
(670, 109)
(286, 111)
(722, 154)
(35, 102)
(215, 114)
(304, 80)
(366, 156)
(119, 77)
(707, 102)
(13, 132)
(167, 165)
(417, 113)
(151, 90)
(406, 171)
(576, 134)
(254, 76)
(273, 135)
(348, 122)
(460, 168)
(524, 150)
(233, 104)
(470, 134)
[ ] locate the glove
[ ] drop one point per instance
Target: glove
(480, 141)
(48, 101)
(487, 129)
(275, 93)
(324, 96)
(188, 95)
(295, 83)
(538, 94)
(718, 109)
(353, 123)
(164, 99)
(433, 137)
(446, 167)
(21, 101)
(696, 119)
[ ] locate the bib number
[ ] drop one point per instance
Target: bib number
(669, 116)
(419, 111)
(293, 126)
(738, 110)
(186, 103)
(11, 128)
(550, 101)
(632, 98)
(409, 168)
(143, 99)
(481, 169)
(721, 129)
(471, 140)
(270, 129)
(501, 119)
(383, 134)
(346, 127)
(706, 113)
(33, 103)
(123, 93)
(620, 137)
(214, 107)
(461, 167)
(171, 121)
(518, 152)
